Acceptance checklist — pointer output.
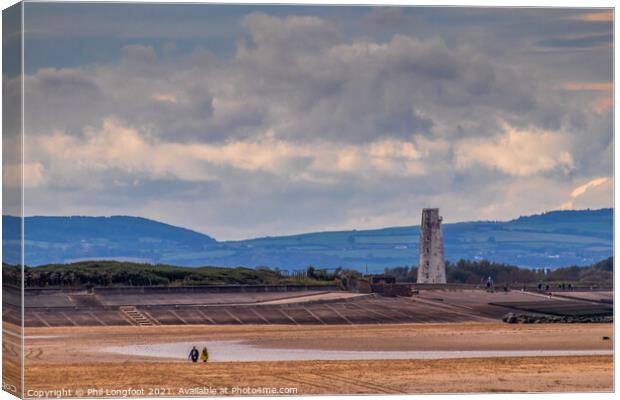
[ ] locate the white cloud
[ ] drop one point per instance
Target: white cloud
(586, 186)
(517, 152)
(121, 148)
(589, 186)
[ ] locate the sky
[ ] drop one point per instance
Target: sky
(245, 121)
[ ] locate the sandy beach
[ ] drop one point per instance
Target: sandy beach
(523, 374)
(493, 357)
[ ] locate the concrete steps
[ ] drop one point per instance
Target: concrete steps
(136, 316)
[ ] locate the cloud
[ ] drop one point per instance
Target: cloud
(33, 174)
(517, 152)
(387, 16)
(581, 190)
(309, 123)
(115, 147)
(584, 188)
(578, 42)
(603, 16)
(165, 97)
(296, 77)
(606, 87)
(603, 93)
(284, 35)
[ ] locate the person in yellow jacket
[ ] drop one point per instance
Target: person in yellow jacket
(204, 354)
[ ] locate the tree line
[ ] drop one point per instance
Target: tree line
(476, 272)
(112, 273)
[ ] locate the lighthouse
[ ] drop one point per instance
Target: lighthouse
(432, 268)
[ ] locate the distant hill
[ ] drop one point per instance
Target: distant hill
(67, 239)
(553, 239)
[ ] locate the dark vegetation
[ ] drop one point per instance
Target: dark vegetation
(116, 273)
(476, 272)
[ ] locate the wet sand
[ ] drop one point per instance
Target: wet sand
(239, 351)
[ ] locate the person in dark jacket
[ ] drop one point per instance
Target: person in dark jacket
(193, 354)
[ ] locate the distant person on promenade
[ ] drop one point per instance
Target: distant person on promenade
(204, 355)
(193, 354)
(489, 283)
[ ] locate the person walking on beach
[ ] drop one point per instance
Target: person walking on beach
(204, 355)
(193, 354)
